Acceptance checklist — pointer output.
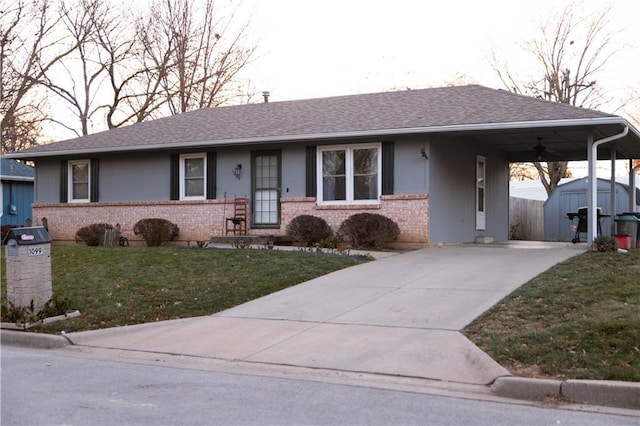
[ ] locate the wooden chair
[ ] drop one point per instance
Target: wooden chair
(238, 222)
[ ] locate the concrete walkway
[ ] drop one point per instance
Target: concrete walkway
(399, 315)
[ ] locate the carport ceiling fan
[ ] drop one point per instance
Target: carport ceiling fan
(542, 153)
(540, 150)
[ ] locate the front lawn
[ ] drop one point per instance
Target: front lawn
(578, 320)
(114, 286)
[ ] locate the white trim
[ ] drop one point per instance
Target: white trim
(349, 174)
(584, 122)
(70, 182)
(481, 182)
(203, 157)
(16, 178)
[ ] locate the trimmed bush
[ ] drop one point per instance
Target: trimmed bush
(308, 230)
(369, 230)
(156, 231)
(92, 235)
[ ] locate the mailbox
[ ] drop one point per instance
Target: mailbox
(28, 258)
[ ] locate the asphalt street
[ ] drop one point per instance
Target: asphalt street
(45, 388)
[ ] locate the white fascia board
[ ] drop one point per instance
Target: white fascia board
(516, 125)
(17, 178)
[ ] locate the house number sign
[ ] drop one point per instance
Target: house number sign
(35, 251)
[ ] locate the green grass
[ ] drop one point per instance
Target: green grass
(578, 320)
(120, 286)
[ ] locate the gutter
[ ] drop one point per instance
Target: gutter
(517, 125)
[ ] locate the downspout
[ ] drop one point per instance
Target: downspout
(612, 188)
(592, 198)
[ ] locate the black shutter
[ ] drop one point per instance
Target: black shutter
(174, 172)
(311, 186)
(211, 175)
(387, 168)
(93, 184)
(64, 181)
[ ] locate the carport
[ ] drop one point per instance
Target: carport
(577, 139)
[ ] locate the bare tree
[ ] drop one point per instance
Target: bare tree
(522, 171)
(116, 68)
(571, 51)
(198, 54)
(29, 46)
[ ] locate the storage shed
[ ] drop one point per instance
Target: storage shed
(16, 192)
(569, 197)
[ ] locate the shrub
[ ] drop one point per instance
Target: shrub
(308, 229)
(155, 231)
(605, 243)
(369, 229)
(93, 234)
(332, 242)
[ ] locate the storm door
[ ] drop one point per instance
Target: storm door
(266, 189)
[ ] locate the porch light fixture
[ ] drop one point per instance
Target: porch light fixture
(423, 153)
(237, 171)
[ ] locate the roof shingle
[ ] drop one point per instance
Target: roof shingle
(425, 108)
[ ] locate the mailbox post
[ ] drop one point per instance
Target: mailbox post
(28, 259)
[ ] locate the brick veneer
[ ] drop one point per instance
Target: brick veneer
(410, 212)
(201, 220)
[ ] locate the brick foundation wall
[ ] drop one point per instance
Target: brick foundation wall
(201, 220)
(410, 212)
(196, 220)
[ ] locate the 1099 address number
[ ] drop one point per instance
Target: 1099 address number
(35, 251)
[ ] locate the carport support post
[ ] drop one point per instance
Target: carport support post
(632, 186)
(592, 189)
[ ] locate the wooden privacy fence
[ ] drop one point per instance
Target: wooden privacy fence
(526, 219)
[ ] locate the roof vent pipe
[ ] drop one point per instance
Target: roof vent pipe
(265, 96)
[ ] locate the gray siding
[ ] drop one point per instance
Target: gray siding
(227, 184)
(411, 170)
(47, 183)
(452, 192)
(134, 177)
(497, 196)
(293, 172)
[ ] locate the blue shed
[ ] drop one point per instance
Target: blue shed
(569, 197)
(16, 194)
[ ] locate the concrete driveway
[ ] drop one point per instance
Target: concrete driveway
(399, 315)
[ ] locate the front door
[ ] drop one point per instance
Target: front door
(265, 167)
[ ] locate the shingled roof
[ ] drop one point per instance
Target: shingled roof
(354, 115)
(14, 170)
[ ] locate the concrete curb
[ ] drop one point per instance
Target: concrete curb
(32, 340)
(594, 392)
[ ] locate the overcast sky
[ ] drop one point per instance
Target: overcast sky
(317, 48)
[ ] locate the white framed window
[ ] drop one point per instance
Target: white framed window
(79, 175)
(349, 174)
(193, 172)
(480, 193)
